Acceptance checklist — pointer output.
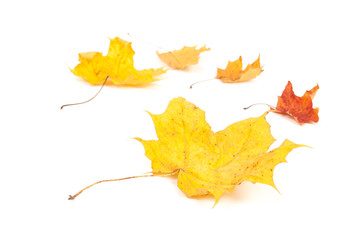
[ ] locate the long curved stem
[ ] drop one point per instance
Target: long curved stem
(72, 104)
(201, 81)
(272, 107)
(72, 197)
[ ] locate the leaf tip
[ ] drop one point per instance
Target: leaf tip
(273, 185)
(288, 142)
(138, 139)
(149, 113)
(217, 198)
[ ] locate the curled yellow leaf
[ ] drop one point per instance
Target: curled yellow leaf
(118, 65)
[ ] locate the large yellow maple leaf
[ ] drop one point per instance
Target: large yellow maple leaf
(180, 59)
(233, 72)
(117, 65)
(209, 163)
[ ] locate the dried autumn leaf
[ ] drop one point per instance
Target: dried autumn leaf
(180, 59)
(233, 72)
(118, 65)
(209, 163)
(91, 67)
(299, 108)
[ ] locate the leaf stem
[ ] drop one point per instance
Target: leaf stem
(72, 197)
(72, 104)
(272, 107)
(201, 81)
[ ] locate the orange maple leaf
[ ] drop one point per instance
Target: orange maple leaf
(180, 59)
(233, 72)
(299, 108)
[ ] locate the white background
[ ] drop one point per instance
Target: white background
(47, 154)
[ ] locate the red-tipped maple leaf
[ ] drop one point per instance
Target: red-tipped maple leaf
(299, 108)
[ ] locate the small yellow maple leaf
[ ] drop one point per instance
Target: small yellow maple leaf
(209, 163)
(117, 65)
(233, 72)
(180, 59)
